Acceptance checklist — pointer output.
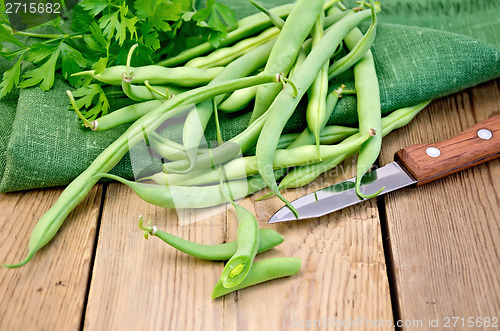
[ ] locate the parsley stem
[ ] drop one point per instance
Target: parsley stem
(77, 111)
(42, 35)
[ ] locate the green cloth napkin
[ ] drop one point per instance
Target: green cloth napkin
(424, 49)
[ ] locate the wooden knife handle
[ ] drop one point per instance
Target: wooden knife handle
(474, 146)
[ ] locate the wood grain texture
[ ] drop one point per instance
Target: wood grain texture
(457, 153)
(48, 293)
(445, 236)
(144, 285)
(140, 284)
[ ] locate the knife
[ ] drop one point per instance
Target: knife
(413, 166)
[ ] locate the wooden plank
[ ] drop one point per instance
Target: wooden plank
(445, 236)
(48, 293)
(146, 284)
(138, 284)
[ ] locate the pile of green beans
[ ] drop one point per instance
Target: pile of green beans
(270, 63)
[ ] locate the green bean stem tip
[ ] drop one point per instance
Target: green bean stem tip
(285, 80)
(88, 123)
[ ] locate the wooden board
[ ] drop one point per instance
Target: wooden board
(445, 236)
(50, 292)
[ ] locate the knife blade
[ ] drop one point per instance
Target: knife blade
(413, 166)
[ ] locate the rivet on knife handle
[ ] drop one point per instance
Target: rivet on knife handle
(474, 146)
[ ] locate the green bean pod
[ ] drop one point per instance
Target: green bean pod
(316, 105)
(359, 50)
(162, 178)
(181, 76)
(262, 271)
(141, 93)
(329, 135)
(223, 56)
(135, 92)
(247, 245)
(288, 44)
(247, 26)
(285, 103)
(166, 148)
(181, 197)
(301, 176)
(50, 222)
(279, 22)
(307, 138)
(247, 166)
(285, 140)
(298, 62)
(368, 104)
(238, 100)
(124, 115)
(220, 252)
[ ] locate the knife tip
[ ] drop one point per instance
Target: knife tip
(277, 218)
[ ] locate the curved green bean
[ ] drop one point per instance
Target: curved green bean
(246, 27)
(166, 148)
(362, 46)
(284, 53)
(181, 76)
(141, 93)
(181, 197)
(316, 105)
(368, 104)
(262, 271)
(247, 245)
(162, 178)
(284, 104)
(335, 132)
(223, 56)
(238, 100)
(220, 252)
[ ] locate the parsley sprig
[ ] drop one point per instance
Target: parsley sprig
(97, 34)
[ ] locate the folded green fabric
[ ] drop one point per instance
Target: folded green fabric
(424, 49)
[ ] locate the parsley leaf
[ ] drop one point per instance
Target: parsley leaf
(217, 17)
(119, 22)
(43, 75)
(6, 35)
(87, 95)
(72, 61)
(159, 12)
(99, 33)
(94, 7)
(11, 77)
